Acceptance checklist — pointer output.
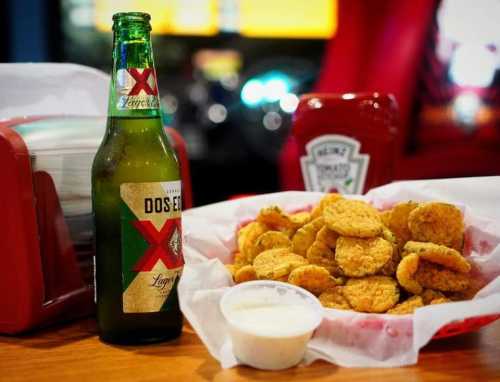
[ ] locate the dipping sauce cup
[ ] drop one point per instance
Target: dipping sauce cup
(270, 322)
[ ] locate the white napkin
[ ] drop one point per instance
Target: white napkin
(35, 89)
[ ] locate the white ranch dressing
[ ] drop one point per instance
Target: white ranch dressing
(272, 320)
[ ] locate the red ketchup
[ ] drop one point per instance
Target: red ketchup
(346, 141)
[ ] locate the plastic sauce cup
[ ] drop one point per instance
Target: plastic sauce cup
(270, 322)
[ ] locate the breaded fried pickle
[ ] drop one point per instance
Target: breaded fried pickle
(325, 201)
(438, 254)
(389, 269)
(328, 237)
(306, 235)
(405, 273)
(274, 216)
(248, 235)
(439, 223)
(240, 260)
(275, 264)
(385, 216)
(362, 257)
(441, 300)
(333, 298)
(475, 285)
(398, 221)
(372, 294)
(430, 295)
(435, 276)
(353, 218)
(231, 268)
(269, 240)
(299, 219)
(246, 273)
(320, 254)
(314, 278)
(408, 306)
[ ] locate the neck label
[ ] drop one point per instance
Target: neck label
(136, 89)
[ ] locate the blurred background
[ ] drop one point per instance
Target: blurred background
(231, 71)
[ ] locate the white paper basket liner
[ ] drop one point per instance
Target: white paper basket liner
(345, 338)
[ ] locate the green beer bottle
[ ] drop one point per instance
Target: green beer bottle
(136, 200)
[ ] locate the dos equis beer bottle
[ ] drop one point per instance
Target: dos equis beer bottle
(136, 198)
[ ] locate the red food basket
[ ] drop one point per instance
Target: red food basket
(465, 326)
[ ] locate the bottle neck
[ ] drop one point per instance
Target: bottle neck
(134, 88)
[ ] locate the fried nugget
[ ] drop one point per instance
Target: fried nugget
(276, 264)
(372, 294)
(306, 235)
(430, 295)
(398, 221)
(246, 273)
(362, 257)
(269, 240)
(314, 278)
(405, 273)
(333, 298)
(328, 237)
(320, 254)
(438, 254)
(434, 276)
(247, 237)
(408, 306)
(439, 223)
(353, 218)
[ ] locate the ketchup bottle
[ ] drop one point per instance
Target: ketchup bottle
(346, 141)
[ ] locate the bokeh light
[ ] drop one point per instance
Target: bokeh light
(473, 65)
(289, 102)
(252, 93)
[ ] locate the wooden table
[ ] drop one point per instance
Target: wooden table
(74, 353)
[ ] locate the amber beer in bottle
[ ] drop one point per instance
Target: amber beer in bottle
(136, 198)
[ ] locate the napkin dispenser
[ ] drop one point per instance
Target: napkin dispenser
(46, 234)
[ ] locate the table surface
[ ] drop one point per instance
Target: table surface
(73, 352)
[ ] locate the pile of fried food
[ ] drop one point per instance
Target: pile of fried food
(353, 256)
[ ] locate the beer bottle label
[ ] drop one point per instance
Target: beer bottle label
(152, 259)
(136, 89)
(333, 163)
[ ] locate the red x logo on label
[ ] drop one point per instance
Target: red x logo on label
(160, 248)
(141, 81)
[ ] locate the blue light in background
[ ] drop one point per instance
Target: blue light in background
(252, 92)
(268, 87)
(276, 87)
